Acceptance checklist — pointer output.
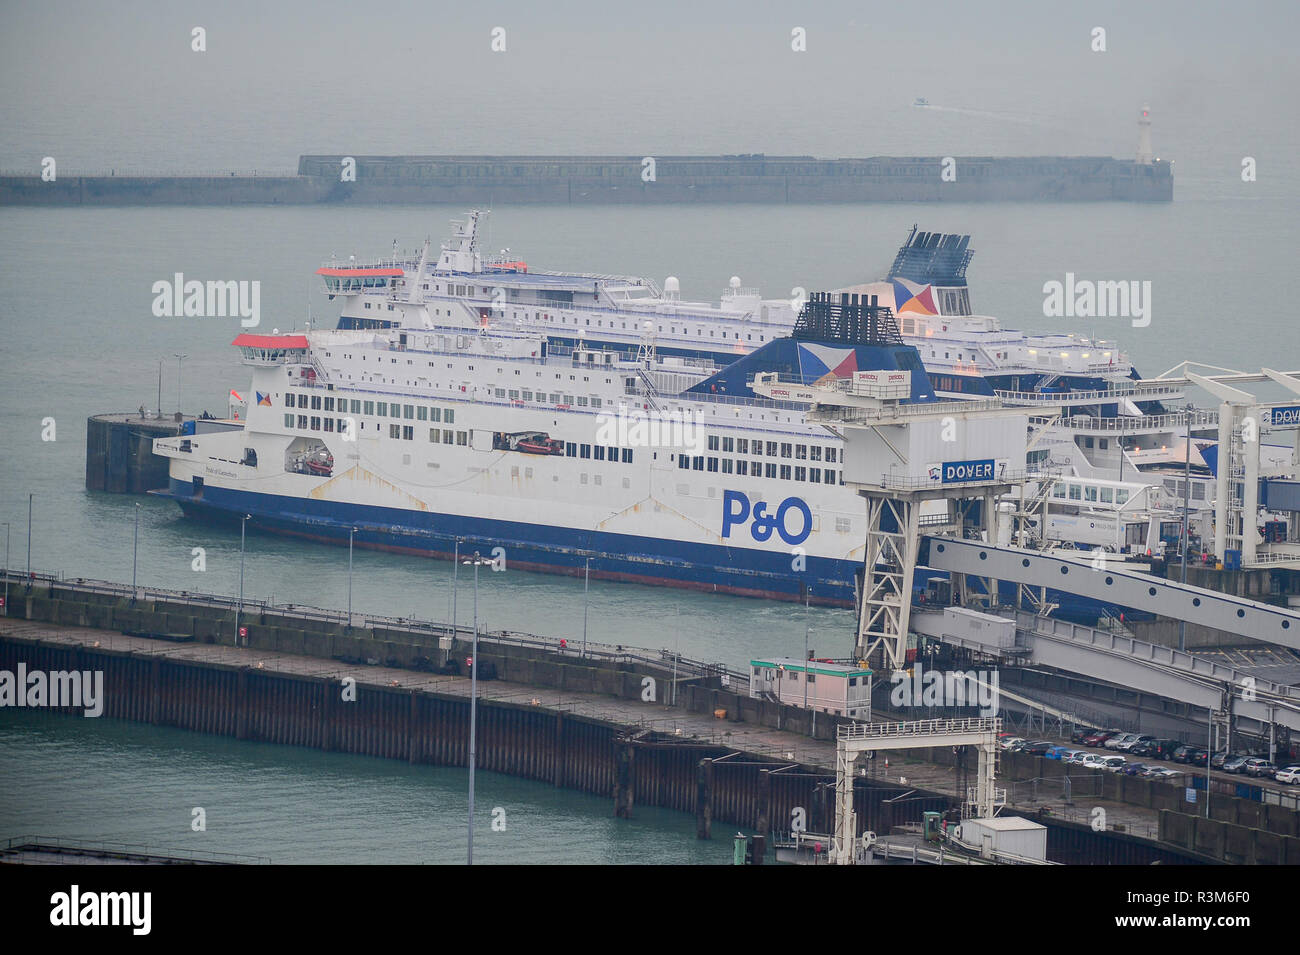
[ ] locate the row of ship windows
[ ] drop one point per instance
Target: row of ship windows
(399, 431)
(744, 468)
(384, 409)
(598, 452)
(801, 452)
(600, 323)
(1104, 495)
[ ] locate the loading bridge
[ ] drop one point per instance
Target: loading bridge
(1100, 654)
(1176, 601)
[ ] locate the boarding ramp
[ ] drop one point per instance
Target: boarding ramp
(1109, 583)
(1120, 660)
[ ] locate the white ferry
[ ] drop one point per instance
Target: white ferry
(467, 398)
(652, 468)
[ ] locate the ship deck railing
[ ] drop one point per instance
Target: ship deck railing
(1142, 390)
(1135, 423)
(642, 308)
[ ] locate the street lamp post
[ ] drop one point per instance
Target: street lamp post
(806, 625)
(586, 587)
(1187, 504)
(6, 613)
(455, 588)
(29, 542)
(243, 522)
(473, 703)
(351, 531)
(179, 359)
(135, 551)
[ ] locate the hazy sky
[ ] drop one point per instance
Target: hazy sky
(104, 85)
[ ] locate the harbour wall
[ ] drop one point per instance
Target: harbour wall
(491, 180)
(623, 756)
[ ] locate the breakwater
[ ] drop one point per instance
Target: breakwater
(490, 180)
(642, 731)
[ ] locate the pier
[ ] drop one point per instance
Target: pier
(696, 744)
(580, 180)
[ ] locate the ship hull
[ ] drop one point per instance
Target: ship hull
(535, 547)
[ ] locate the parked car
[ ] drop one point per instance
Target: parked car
(1135, 769)
(1078, 757)
(1113, 764)
(1218, 759)
(1182, 752)
(1259, 767)
(1235, 765)
(1155, 748)
(1010, 742)
(1198, 757)
(1290, 775)
(1126, 745)
(1164, 772)
(1093, 761)
(1116, 741)
(1099, 738)
(1060, 752)
(1037, 748)
(1081, 734)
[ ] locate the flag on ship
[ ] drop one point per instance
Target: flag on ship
(264, 399)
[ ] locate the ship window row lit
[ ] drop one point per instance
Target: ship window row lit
(1103, 495)
(383, 409)
(758, 469)
(598, 452)
(785, 449)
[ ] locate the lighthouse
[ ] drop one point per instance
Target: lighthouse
(1144, 155)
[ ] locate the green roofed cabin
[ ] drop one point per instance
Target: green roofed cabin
(838, 688)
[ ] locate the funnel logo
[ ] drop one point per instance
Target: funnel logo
(737, 511)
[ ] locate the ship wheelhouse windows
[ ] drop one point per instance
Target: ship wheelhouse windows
(627, 455)
(408, 432)
(697, 462)
(800, 474)
(288, 421)
(288, 399)
(786, 449)
(830, 476)
(1107, 496)
(570, 449)
(771, 449)
(408, 411)
(1076, 493)
(302, 400)
(584, 450)
(713, 464)
(727, 466)
(382, 408)
(422, 413)
(769, 470)
(785, 472)
(450, 416)
(600, 452)
(713, 442)
(742, 446)
(830, 455)
(302, 421)
(815, 453)
(815, 475)
(742, 467)
(394, 430)
(801, 452)
(315, 422)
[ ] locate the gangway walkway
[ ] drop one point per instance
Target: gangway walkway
(1176, 601)
(1124, 661)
